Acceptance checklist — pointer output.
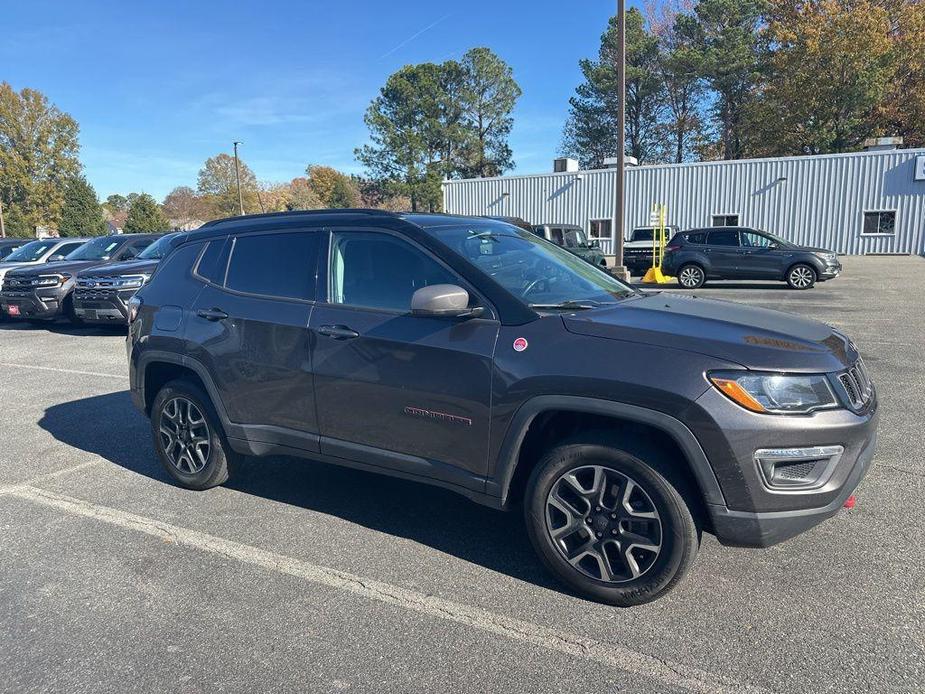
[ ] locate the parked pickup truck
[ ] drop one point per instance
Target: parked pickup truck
(637, 249)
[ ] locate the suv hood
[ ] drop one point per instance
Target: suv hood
(129, 267)
(70, 266)
(756, 338)
(6, 267)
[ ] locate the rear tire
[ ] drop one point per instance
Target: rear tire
(608, 524)
(801, 276)
(188, 436)
(691, 276)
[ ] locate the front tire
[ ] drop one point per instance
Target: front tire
(801, 276)
(608, 524)
(188, 437)
(691, 276)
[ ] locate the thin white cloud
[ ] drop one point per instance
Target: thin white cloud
(414, 36)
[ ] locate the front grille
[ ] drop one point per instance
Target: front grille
(12, 284)
(96, 282)
(857, 385)
(637, 251)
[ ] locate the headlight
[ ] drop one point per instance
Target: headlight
(827, 256)
(774, 393)
(50, 280)
(132, 281)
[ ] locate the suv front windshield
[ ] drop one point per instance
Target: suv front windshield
(29, 253)
(98, 249)
(539, 273)
(158, 249)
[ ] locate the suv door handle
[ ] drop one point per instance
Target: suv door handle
(338, 332)
(212, 314)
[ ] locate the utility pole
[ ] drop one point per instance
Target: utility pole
(237, 177)
(2, 227)
(618, 231)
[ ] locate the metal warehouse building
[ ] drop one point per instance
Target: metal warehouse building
(857, 203)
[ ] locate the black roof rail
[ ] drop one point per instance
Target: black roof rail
(302, 213)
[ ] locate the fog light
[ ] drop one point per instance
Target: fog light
(797, 469)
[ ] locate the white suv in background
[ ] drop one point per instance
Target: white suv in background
(40, 251)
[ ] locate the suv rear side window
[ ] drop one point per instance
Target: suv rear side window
(213, 262)
(698, 237)
(724, 238)
(373, 270)
(281, 265)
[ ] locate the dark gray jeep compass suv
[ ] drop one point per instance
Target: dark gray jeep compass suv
(431, 348)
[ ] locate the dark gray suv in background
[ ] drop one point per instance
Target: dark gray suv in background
(45, 292)
(733, 253)
(103, 291)
(431, 347)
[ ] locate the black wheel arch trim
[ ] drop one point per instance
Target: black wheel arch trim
(499, 482)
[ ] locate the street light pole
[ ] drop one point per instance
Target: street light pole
(2, 226)
(237, 177)
(621, 140)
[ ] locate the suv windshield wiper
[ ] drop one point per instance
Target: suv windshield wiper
(572, 304)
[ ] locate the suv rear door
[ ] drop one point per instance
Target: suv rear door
(249, 327)
(723, 250)
(396, 390)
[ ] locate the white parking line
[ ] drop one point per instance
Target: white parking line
(6, 489)
(610, 655)
(63, 371)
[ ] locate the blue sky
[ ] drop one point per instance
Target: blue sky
(158, 87)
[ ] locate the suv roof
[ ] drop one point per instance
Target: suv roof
(254, 222)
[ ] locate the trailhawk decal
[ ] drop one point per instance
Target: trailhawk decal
(437, 416)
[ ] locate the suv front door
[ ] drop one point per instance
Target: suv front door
(761, 259)
(396, 390)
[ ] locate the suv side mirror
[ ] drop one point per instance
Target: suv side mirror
(56, 257)
(443, 301)
(774, 245)
(594, 245)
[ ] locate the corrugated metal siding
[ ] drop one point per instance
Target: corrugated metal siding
(820, 203)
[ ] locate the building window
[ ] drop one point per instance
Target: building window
(600, 229)
(725, 220)
(882, 222)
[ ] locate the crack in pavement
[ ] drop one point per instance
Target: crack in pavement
(610, 655)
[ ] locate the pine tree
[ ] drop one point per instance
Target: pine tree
(144, 215)
(81, 214)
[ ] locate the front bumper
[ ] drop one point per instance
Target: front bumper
(637, 264)
(756, 514)
(108, 306)
(38, 303)
(756, 529)
(830, 271)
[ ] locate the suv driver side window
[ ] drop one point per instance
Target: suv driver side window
(376, 270)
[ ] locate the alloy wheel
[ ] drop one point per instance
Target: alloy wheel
(185, 435)
(690, 277)
(603, 523)
(801, 277)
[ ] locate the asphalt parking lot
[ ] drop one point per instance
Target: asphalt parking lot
(302, 576)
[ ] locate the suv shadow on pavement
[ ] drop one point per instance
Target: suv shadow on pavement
(716, 285)
(108, 426)
(63, 328)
